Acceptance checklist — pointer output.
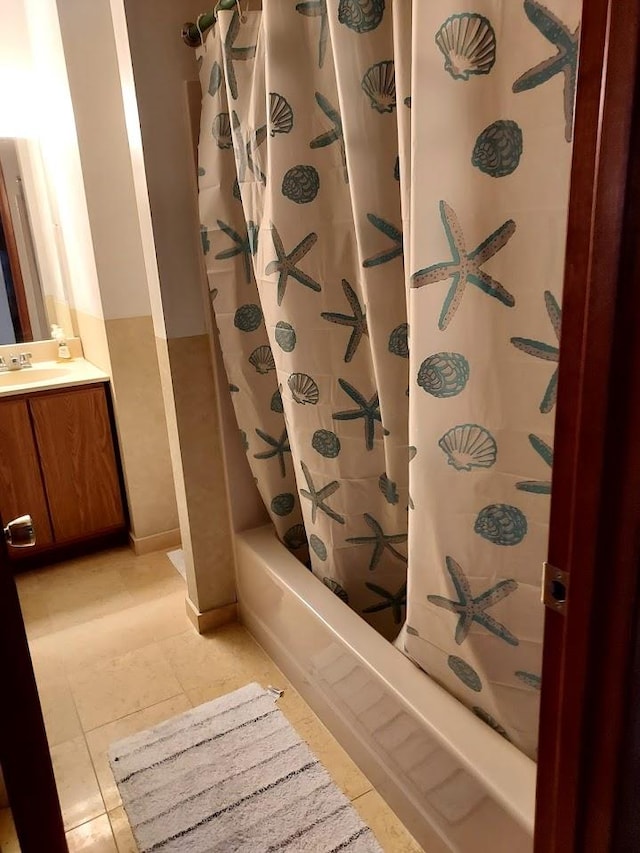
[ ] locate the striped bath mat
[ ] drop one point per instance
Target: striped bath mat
(233, 775)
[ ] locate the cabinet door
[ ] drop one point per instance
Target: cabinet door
(73, 435)
(21, 486)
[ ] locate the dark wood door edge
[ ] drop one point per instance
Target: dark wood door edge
(24, 751)
(591, 517)
(613, 672)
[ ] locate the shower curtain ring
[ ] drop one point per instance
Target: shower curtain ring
(242, 15)
(200, 31)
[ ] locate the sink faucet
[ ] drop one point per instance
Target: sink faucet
(16, 362)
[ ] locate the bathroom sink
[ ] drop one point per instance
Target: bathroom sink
(32, 374)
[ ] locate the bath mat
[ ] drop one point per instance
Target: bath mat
(233, 775)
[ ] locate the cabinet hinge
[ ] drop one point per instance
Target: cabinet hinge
(555, 588)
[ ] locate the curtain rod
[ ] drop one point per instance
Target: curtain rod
(192, 34)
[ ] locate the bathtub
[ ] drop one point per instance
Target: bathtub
(454, 782)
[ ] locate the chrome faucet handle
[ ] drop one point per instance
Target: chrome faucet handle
(14, 362)
(25, 359)
(3, 363)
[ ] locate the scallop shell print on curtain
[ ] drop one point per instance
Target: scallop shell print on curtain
(329, 349)
(230, 244)
(392, 354)
(486, 275)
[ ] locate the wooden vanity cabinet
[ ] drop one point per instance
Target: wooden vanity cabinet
(58, 463)
(21, 485)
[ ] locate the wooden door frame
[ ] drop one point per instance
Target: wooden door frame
(595, 507)
(26, 332)
(24, 750)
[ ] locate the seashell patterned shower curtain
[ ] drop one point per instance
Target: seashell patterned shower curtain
(383, 197)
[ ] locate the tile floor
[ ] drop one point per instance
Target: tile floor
(114, 654)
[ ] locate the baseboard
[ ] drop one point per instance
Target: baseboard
(214, 618)
(157, 542)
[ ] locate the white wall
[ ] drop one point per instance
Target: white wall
(106, 164)
(170, 175)
(15, 71)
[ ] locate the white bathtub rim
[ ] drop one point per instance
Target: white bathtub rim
(508, 774)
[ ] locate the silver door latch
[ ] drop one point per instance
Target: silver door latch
(555, 588)
(20, 532)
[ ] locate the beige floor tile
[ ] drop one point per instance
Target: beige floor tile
(92, 837)
(59, 710)
(290, 703)
(115, 634)
(341, 768)
(152, 576)
(45, 658)
(83, 590)
(100, 739)
(122, 833)
(390, 832)
(33, 604)
(8, 837)
(78, 789)
(167, 615)
(114, 654)
(199, 660)
(120, 686)
(293, 706)
(28, 581)
(264, 673)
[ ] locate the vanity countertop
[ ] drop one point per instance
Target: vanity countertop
(45, 375)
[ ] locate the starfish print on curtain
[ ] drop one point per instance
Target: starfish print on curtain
(538, 487)
(317, 9)
(330, 136)
(465, 267)
(279, 446)
(392, 233)
(472, 609)
(233, 54)
(287, 264)
(368, 410)
(319, 496)
(547, 352)
(394, 601)
(381, 541)
(246, 246)
(357, 321)
(245, 148)
(564, 61)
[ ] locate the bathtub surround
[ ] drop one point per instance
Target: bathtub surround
(454, 782)
(392, 354)
(244, 779)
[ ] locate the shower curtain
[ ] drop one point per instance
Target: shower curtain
(383, 197)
